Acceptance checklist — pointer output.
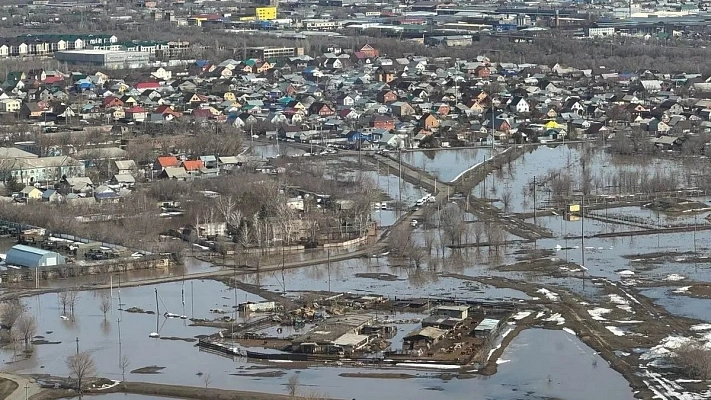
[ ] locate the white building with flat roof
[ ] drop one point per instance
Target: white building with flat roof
(105, 58)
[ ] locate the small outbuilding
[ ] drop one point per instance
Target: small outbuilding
(458, 312)
(486, 327)
(32, 257)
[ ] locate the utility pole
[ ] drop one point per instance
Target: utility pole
(534, 199)
(328, 257)
(77, 339)
(582, 235)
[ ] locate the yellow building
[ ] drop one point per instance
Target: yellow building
(266, 13)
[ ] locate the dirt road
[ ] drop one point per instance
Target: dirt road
(26, 388)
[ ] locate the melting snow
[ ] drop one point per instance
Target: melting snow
(674, 277)
(596, 313)
(502, 361)
(572, 332)
(556, 318)
(701, 327)
(664, 347)
(521, 315)
(620, 302)
(615, 330)
(625, 273)
(550, 295)
(506, 333)
(682, 289)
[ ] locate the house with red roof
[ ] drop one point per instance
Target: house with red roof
(147, 85)
(193, 166)
(136, 114)
(111, 102)
(167, 112)
(164, 162)
(51, 80)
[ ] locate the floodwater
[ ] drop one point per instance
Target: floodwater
(273, 149)
(555, 364)
(123, 396)
(100, 336)
(446, 164)
(678, 304)
(395, 282)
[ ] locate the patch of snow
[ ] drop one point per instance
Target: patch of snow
(506, 333)
(631, 321)
(620, 302)
(615, 330)
(550, 295)
(556, 318)
(429, 366)
(682, 289)
(630, 282)
(596, 313)
(540, 314)
(667, 389)
(688, 380)
(572, 332)
(625, 273)
(665, 347)
(502, 361)
(674, 277)
(521, 315)
(701, 327)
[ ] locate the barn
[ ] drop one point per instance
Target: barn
(27, 256)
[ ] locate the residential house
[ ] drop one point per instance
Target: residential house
(164, 162)
(31, 193)
(428, 122)
(10, 105)
(383, 122)
(386, 96)
(321, 109)
(519, 105)
(401, 109)
(125, 167)
(52, 196)
(192, 167)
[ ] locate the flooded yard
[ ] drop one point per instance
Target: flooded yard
(446, 164)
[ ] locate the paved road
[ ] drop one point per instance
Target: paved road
(21, 393)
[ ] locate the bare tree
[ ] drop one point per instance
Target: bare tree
(316, 396)
(81, 366)
(25, 328)
(506, 198)
(694, 359)
(207, 379)
(72, 298)
(105, 305)
(292, 386)
(125, 362)
(10, 312)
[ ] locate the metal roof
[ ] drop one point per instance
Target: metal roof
(487, 324)
(27, 256)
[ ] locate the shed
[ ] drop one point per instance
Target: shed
(351, 341)
(459, 312)
(486, 327)
(429, 335)
(27, 256)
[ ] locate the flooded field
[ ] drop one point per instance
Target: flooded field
(275, 149)
(365, 277)
(446, 164)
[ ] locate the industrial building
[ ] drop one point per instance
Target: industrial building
(105, 58)
(32, 257)
(268, 53)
